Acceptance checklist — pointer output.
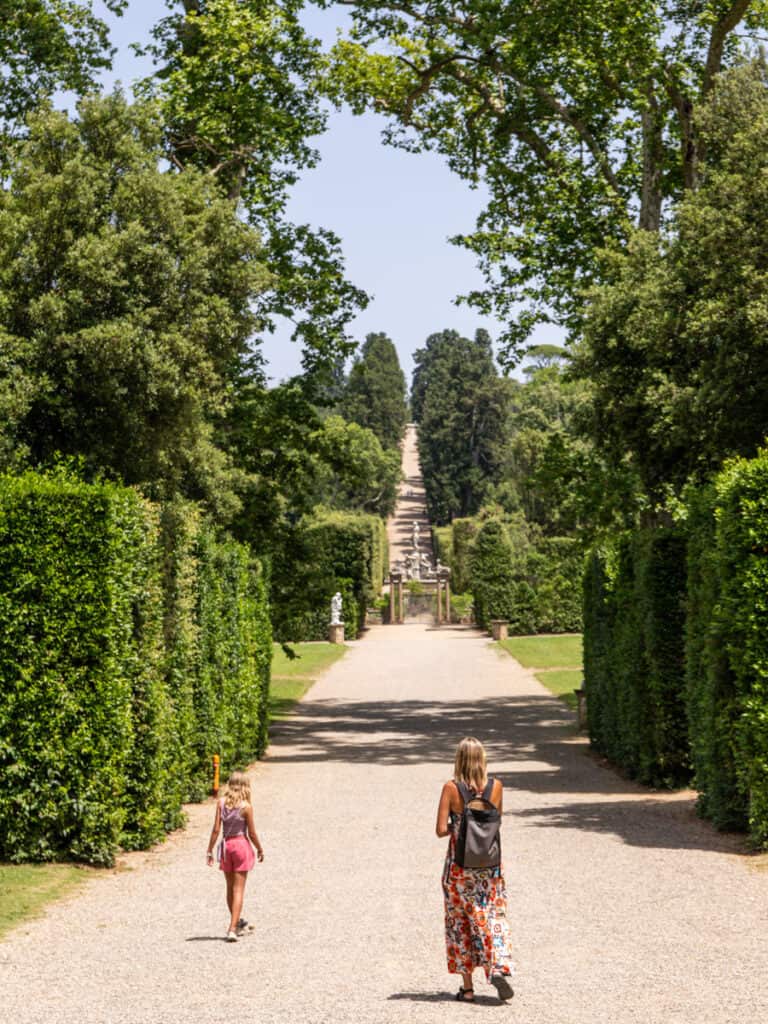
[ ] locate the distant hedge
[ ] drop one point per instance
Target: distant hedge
(492, 574)
(463, 533)
(727, 646)
(133, 646)
(334, 551)
(634, 616)
(531, 581)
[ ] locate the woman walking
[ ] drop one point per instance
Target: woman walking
(476, 930)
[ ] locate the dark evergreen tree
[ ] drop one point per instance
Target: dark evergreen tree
(376, 392)
(461, 405)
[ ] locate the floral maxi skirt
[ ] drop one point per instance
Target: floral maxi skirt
(476, 929)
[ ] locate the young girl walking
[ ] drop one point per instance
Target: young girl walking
(234, 818)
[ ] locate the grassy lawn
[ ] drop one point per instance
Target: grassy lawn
(292, 678)
(562, 651)
(25, 889)
(556, 661)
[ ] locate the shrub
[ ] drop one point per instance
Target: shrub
(461, 608)
(463, 533)
(442, 544)
(134, 644)
(83, 709)
(634, 613)
(232, 691)
(711, 696)
(492, 574)
(332, 551)
(727, 646)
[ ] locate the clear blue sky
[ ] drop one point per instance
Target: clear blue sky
(393, 211)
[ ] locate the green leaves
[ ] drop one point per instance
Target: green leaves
(47, 45)
(461, 406)
(674, 343)
(125, 302)
(375, 395)
(578, 123)
(240, 87)
(132, 648)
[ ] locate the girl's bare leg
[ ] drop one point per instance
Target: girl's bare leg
(239, 879)
(466, 982)
(230, 879)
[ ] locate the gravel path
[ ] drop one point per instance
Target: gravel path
(623, 906)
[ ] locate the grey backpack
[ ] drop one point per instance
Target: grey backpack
(478, 843)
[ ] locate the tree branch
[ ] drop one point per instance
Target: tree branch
(720, 32)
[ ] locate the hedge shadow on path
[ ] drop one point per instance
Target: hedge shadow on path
(535, 732)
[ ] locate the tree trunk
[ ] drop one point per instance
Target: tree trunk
(653, 155)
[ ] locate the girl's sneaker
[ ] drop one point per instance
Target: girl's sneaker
(231, 936)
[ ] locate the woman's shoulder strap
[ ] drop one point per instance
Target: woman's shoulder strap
(487, 792)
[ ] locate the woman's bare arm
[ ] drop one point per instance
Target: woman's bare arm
(443, 810)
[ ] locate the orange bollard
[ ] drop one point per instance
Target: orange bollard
(216, 762)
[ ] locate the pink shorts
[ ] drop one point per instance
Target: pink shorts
(238, 854)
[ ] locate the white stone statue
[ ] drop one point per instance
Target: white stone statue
(414, 566)
(336, 609)
(415, 534)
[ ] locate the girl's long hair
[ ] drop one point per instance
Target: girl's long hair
(470, 766)
(238, 790)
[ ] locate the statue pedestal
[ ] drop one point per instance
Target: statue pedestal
(336, 633)
(499, 629)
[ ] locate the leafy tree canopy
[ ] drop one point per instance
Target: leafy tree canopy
(461, 405)
(375, 395)
(240, 86)
(47, 45)
(126, 299)
(675, 341)
(579, 120)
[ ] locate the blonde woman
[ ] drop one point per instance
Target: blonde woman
(476, 931)
(234, 817)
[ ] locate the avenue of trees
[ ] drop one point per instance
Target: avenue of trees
(144, 251)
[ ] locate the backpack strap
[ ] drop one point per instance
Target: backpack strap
(467, 794)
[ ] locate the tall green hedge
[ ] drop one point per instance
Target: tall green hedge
(492, 573)
(533, 582)
(548, 593)
(634, 614)
(463, 533)
(134, 645)
(83, 707)
(218, 648)
(236, 652)
(727, 646)
(334, 551)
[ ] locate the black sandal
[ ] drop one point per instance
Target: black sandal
(466, 995)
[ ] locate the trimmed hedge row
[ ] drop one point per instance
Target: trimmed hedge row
(492, 574)
(676, 650)
(634, 616)
(335, 551)
(114, 690)
(727, 647)
(534, 586)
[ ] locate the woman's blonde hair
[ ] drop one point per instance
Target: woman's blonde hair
(238, 791)
(470, 766)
